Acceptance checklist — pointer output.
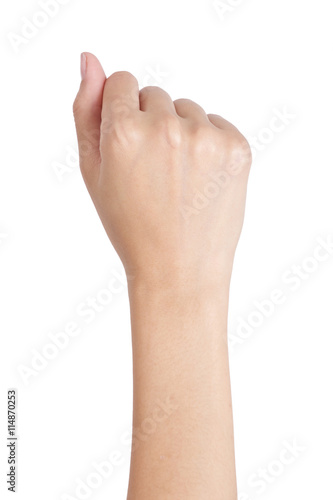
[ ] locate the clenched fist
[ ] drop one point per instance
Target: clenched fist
(168, 181)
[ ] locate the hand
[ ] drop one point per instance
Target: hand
(168, 181)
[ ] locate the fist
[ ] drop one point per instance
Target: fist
(167, 180)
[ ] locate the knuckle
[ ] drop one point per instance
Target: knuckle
(183, 101)
(204, 139)
(121, 105)
(169, 127)
(145, 92)
(122, 75)
(240, 155)
(151, 90)
(148, 89)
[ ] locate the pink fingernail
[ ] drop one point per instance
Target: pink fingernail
(83, 65)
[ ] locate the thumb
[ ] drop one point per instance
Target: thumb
(87, 109)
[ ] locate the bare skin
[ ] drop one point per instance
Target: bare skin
(169, 184)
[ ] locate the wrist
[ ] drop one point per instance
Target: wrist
(181, 296)
(174, 315)
(179, 282)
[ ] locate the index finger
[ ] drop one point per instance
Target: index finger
(120, 96)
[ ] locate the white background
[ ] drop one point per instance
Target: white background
(258, 57)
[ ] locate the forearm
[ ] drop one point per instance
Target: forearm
(180, 359)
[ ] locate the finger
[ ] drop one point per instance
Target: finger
(121, 97)
(87, 111)
(154, 100)
(221, 123)
(242, 156)
(190, 109)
